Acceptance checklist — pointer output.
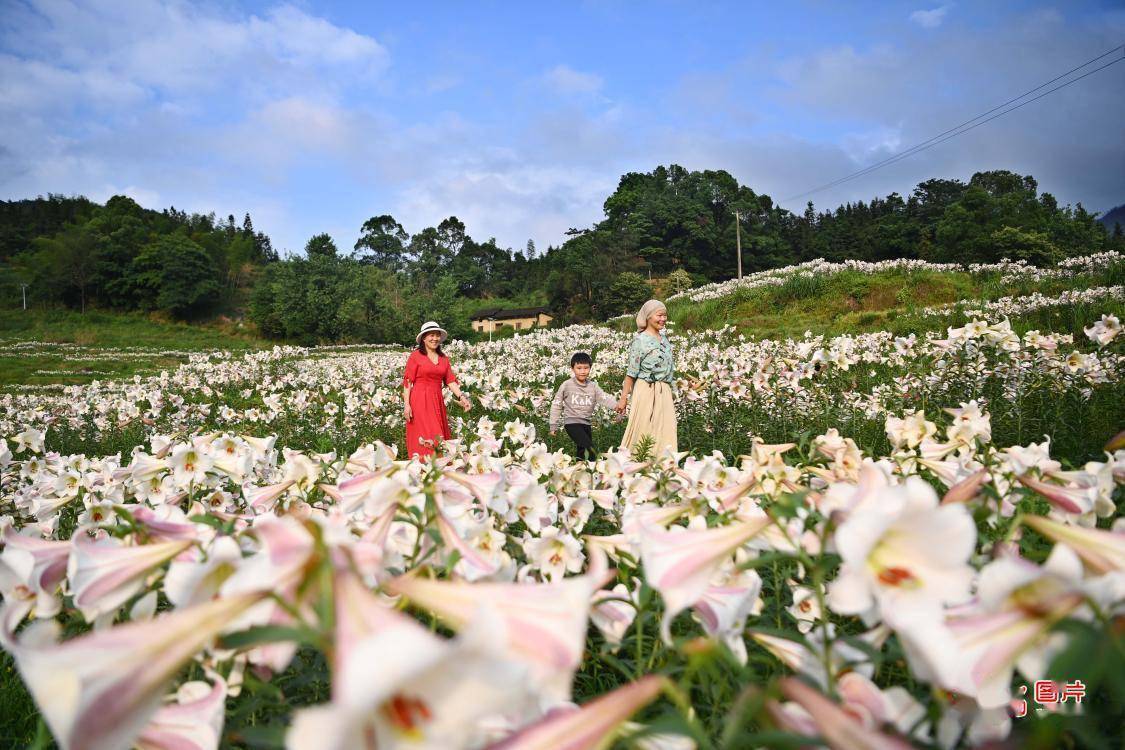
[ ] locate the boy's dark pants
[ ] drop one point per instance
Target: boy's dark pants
(583, 438)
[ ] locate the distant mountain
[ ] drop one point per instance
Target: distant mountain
(1112, 216)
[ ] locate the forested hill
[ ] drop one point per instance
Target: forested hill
(1114, 217)
(669, 224)
(72, 252)
(671, 219)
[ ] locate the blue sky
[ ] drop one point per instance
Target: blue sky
(520, 118)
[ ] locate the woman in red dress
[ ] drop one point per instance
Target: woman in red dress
(427, 371)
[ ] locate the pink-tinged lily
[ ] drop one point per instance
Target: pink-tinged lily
(144, 468)
(1077, 500)
(806, 657)
(723, 609)
(39, 564)
(262, 499)
(331, 491)
(473, 565)
(967, 489)
(484, 487)
(637, 517)
(728, 498)
(169, 523)
(604, 499)
(193, 722)
(900, 549)
(285, 548)
(194, 578)
(839, 729)
(680, 565)
(873, 707)
(395, 684)
(280, 567)
(975, 650)
(368, 552)
(545, 623)
(104, 574)
(18, 599)
(374, 492)
(588, 727)
(98, 691)
(765, 453)
(613, 612)
(1101, 551)
(614, 545)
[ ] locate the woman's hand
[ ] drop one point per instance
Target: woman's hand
(466, 404)
(621, 404)
(408, 413)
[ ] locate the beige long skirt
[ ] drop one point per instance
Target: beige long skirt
(653, 413)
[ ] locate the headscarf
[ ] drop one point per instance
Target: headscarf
(647, 310)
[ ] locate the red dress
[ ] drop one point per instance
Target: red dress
(427, 402)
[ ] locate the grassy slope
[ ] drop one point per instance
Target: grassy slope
(102, 330)
(853, 302)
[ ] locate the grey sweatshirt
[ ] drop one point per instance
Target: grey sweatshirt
(574, 402)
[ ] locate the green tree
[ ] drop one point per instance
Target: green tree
(70, 259)
(382, 242)
(1033, 247)
(679, 281)
(187, 279)
(626, 294)
(320, 244)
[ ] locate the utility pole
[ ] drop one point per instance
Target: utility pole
(23, 288)
(738, 240)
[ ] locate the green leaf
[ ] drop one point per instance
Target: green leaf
(212, 521)
(260, 634)
(268, 736)
(766, 559)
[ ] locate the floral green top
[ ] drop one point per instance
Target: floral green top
(651, 358)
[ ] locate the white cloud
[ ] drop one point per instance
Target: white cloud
(85, 53)
(507, 200)
(269, 113)
(566, 80)
(930, 19)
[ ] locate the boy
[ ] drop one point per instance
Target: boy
(574, 405)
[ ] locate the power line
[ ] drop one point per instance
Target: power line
(931, 141)
(961, 129)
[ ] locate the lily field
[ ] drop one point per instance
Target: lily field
(905, 536)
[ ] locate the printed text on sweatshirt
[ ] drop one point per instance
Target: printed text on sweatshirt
(574, 402)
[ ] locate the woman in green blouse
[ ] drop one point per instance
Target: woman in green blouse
(648, 378)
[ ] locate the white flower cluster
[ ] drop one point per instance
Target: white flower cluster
(1009, 270)
(1020, 270)
(341, 391)
(1026, 303)
(494, 539)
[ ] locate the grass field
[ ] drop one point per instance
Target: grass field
(40, 347)
(855, 302)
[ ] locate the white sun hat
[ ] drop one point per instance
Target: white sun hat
(428, 327)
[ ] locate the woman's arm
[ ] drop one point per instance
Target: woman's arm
(408, 384)
(406, 410)
(455, 389)
(632, 372)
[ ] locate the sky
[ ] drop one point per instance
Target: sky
(520, 118)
